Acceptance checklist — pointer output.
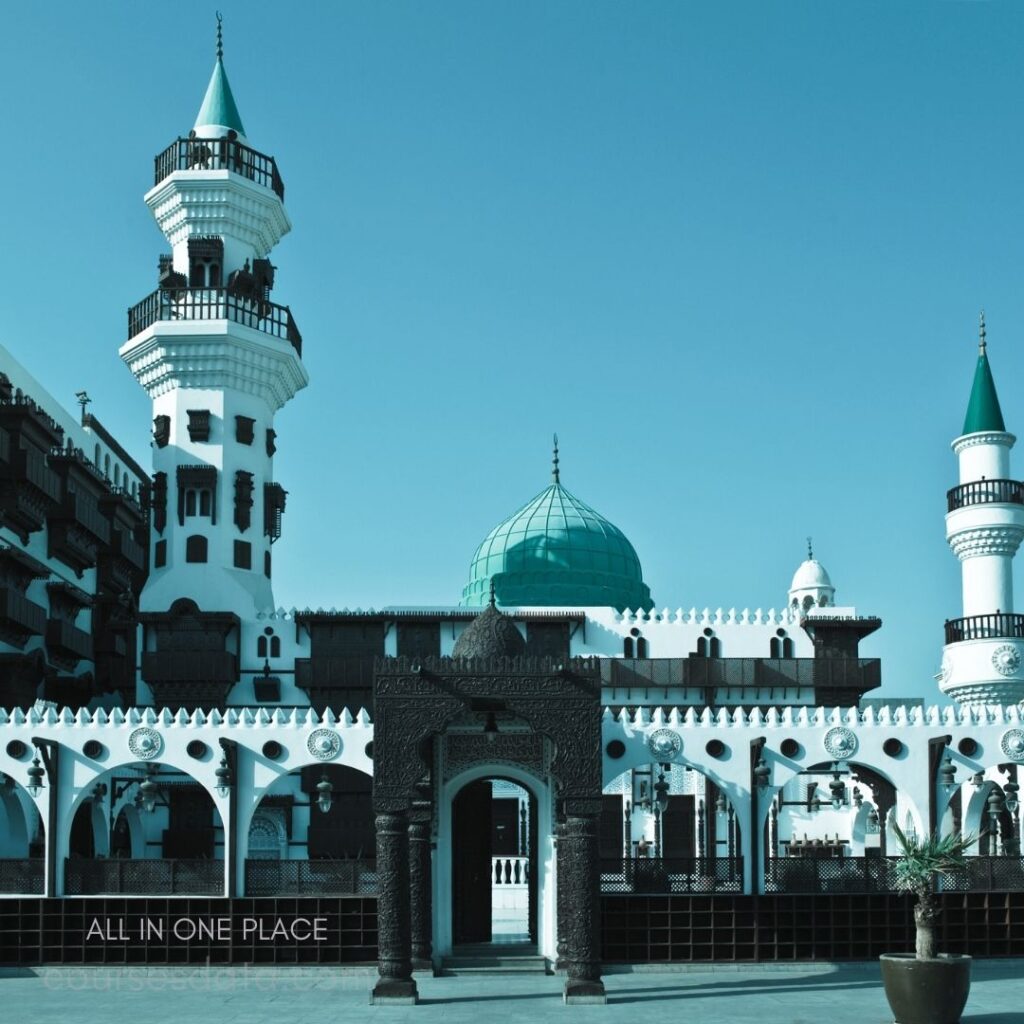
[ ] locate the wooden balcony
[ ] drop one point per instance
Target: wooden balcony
(67, 644)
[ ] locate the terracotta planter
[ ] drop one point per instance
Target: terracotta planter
(926, 991)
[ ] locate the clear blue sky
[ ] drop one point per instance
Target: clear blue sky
(732, 253)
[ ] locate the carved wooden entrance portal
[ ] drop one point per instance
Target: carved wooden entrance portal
(434, 720)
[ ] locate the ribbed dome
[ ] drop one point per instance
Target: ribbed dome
(810, 574)
(557, 551)
(490, 635)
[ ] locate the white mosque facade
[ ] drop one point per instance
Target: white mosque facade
(158, 707)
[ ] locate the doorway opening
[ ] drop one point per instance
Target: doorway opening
(494, 864)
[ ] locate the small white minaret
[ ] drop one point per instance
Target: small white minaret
(811, 586)
(984, 650)
(218, 357)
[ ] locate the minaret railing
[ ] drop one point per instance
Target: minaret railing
(983, 492)
(219, 155)
(167, 304)
(985, 627)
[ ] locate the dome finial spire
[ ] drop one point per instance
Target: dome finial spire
(981, 333)
(220, 36)
(554, 463)
(493, 600)
(810, 550)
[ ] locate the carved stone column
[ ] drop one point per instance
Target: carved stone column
(394, 965)
(419, 891)
(578, 907)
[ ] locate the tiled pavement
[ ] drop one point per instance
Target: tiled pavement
(795, 994)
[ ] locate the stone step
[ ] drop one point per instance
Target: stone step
(453, 967)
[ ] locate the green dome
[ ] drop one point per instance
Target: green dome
(557, 551)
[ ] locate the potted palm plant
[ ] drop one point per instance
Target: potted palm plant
(926, 987)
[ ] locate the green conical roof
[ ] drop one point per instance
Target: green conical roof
(556, 551)
(219, 108)
(983, 412)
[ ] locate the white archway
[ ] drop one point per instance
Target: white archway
(441, 869)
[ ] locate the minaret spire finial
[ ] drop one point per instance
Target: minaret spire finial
(810, 550)
(981, 333)
(220, 37)
(554, 462)
(492, 601)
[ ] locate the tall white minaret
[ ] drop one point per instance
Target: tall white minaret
(218, 357)
(983, 659)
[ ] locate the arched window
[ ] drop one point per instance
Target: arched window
(96, 461)
(195, 548)
(198, 501)
(106, 466)
(702, 647)
(775, 648)
(117, 475)
(641, 647)
(275, 647)
(808, 602)
(787, 647)
(714, 647)
(261, 647)
(627, 647)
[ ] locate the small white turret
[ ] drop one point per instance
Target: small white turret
(981, 662)
(811, 586)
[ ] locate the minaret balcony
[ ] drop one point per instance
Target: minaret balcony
(984, 492)
(219, 155)
(998, 626)
(195, 304)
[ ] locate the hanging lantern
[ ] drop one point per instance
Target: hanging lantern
(491, 726)
(661, 793)
(148, 790)
(36, 774)
(947, 773)
(858, 797)
(838, 790)
(762, 773)
(720, 802)
(223, 774)
(978, 780)
(324, 789)
(872, 826)
(1010, 800)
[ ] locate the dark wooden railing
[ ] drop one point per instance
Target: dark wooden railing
(24, 877)
(864, 673)
(984, 627)
(310, 877)
(831, 874)
(214, 304)
(875, 874)
(982, 492)
(156, 877)
(672, 874)
(219, 155)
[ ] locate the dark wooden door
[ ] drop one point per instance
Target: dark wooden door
(677, 828)
(611, 834)
(505, 827)
(471, 864)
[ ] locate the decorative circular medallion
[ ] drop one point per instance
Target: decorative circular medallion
(324, 744)
(1013, 745)
(1006, 659)
(145, 743)
(840, 742)
(946, 670)
(665, 744)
